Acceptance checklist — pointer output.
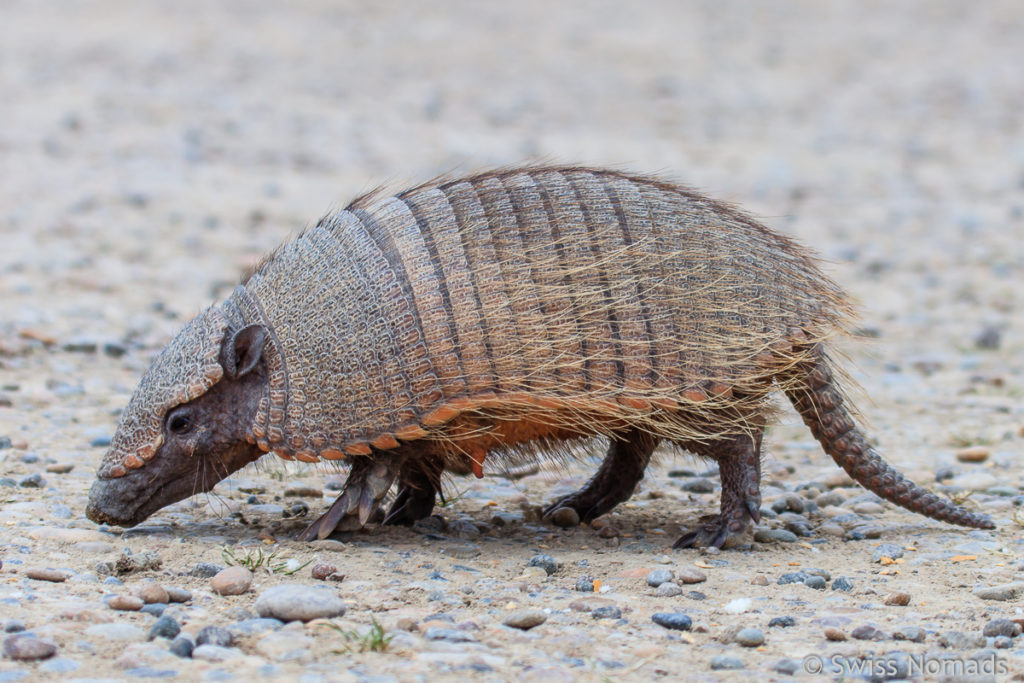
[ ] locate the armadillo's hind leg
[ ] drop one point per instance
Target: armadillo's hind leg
(616, 479)
(739, 466)
(419, 484)
(367, 484)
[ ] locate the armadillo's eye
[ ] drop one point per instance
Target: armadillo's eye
(179, 423)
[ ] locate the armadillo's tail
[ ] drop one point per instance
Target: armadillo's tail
(816, 398)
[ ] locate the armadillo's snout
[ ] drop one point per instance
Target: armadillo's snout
(111, 503)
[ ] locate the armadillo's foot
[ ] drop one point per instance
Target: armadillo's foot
(739, 465)
(417, 492)
(718, 532)
(615, 480)
(368, 482)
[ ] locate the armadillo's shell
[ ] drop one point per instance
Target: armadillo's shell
(183, 371)
(573, 293)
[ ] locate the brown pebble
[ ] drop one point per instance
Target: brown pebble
(303, 491)
(689, 575)
(525, 619)
(898, 598)
(125, 603)
(565, 517)
(834, 634)
(41, 574)
(325, 571)
(608, 532)
(24, 647)
(760, 580)
(151, 593)
(175, 594)
(598, 524)
(60, 467)
(231, 581)
(972, 454)
(407, 624)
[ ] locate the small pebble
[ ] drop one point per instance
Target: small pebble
(151, 593)
(545, 562)
(205, 570)
(303, 491)
(154, 608)
(699, 486)
(451, 635)
(1001, 592)
(668, 590)
(690, 575)
(608, 531)
(32, 481)
(782, 622)
(565, 517)
(14, 626)
(842, 584)
(898, 599)
(182, 647)
(325, 571)
(607, 612)
(914, 634)
(867, 632)
(759, 580)
(973, 454)
(231, 581)
(125, 603)
(726, 663)
(958, 640)
(41, 574)
(214, 653)
(815, 582)
(525, 619)
(750, 637)
(834, 634)
(793, 577)
(786, 667)
(584, 584)
(1002, 642)
(214, 635)
(675, 621)
(886, 550)
(164, 627)
(1002, 627)
(657, 577)
(27, 648)
(300, 603)
(175, 594)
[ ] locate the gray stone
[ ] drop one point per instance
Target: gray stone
(657, 577)
(842, 583)
(668, 590)
(786, 666)
(815, 582)
(675, 621)
(164, 627)
(299, 603)
(545, 562)
(690, 575)
(214, 635)
(182, 647)
(726, 662)
(958, 640)
(1002, 627)
(1002, 592)
(750, 637)
(250, 627)
(889, 550)
(607, 612)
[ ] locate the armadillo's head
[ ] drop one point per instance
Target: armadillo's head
(187, 425)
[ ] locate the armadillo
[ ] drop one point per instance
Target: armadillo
(520, 310)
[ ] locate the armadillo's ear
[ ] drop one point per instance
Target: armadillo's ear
(242, 350)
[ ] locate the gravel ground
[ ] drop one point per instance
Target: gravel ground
(150, 152)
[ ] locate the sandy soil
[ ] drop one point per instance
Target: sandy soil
(150, 152)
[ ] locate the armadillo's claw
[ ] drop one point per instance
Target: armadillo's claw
(719, 532)
(367, 485)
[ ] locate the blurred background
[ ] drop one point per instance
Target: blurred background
(150, 151)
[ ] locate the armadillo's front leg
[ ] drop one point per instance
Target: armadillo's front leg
(367, 484)
(739, 465)
(615, 480)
